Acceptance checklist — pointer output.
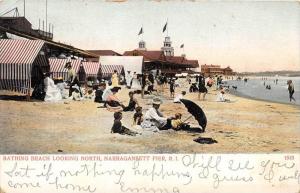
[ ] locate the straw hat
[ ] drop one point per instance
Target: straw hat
(156, 101)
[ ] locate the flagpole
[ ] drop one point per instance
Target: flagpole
(46, 13)
(167, 27)
(142, 32)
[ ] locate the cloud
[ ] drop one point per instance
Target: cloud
(114, 1)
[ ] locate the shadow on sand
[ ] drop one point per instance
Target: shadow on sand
(205, 140)
(17, 98)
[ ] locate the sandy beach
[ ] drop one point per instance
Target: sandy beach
(241, 126)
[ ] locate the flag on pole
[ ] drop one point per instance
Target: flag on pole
(141, 31)
(165, 27)
(182, 45)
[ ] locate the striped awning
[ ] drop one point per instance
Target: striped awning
(19, 51)
(91, 68)
(108, 70)
(17, 57)
(57, 67)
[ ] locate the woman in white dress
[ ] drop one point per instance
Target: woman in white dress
(128, 79)
(136, 85)
(52, 92)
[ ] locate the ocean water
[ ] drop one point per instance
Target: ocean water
(255, 88)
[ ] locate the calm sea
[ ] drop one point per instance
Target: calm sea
(255, 88)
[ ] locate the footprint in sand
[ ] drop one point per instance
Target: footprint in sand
(268, 142)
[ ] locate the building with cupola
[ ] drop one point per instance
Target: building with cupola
(167, 48)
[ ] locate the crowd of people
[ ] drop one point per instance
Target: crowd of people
(105, 93)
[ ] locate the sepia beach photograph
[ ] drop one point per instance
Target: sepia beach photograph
(149, 77)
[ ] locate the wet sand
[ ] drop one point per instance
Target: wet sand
(242, 126)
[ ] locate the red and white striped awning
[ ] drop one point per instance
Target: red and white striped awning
(16, 60)
(19, 51)
(75, 64)
(108, 70)
(91, 68)
(57, 67)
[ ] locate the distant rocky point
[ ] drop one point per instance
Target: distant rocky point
(271, 73)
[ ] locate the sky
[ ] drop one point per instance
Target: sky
(247, 36)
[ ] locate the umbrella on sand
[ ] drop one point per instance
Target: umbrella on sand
(196, 111)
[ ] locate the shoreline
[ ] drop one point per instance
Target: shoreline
(239, 94)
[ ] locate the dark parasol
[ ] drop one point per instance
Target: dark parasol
(196, 111)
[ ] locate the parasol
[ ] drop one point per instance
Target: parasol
(196, 111)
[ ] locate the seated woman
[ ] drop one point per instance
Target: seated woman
(52, 92)
(221, 95)
(193, 88)
(61, 85)
(113, 103)
(89, 94)
(132, 102)
(99, 92)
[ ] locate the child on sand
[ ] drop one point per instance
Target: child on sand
(138, 116)
(177, 123)
(221, 95)
(118, 128)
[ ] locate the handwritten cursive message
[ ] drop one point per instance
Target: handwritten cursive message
(149, 173)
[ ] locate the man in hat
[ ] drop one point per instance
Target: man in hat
(154, 119)
(72, 78)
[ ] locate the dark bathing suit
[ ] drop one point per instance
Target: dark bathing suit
(131, 106)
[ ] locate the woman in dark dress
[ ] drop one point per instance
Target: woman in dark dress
(201, 87)
(132, 102)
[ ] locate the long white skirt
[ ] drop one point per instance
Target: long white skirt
(136, 85)
(52, 92)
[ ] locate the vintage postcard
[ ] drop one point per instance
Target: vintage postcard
(149, 96)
